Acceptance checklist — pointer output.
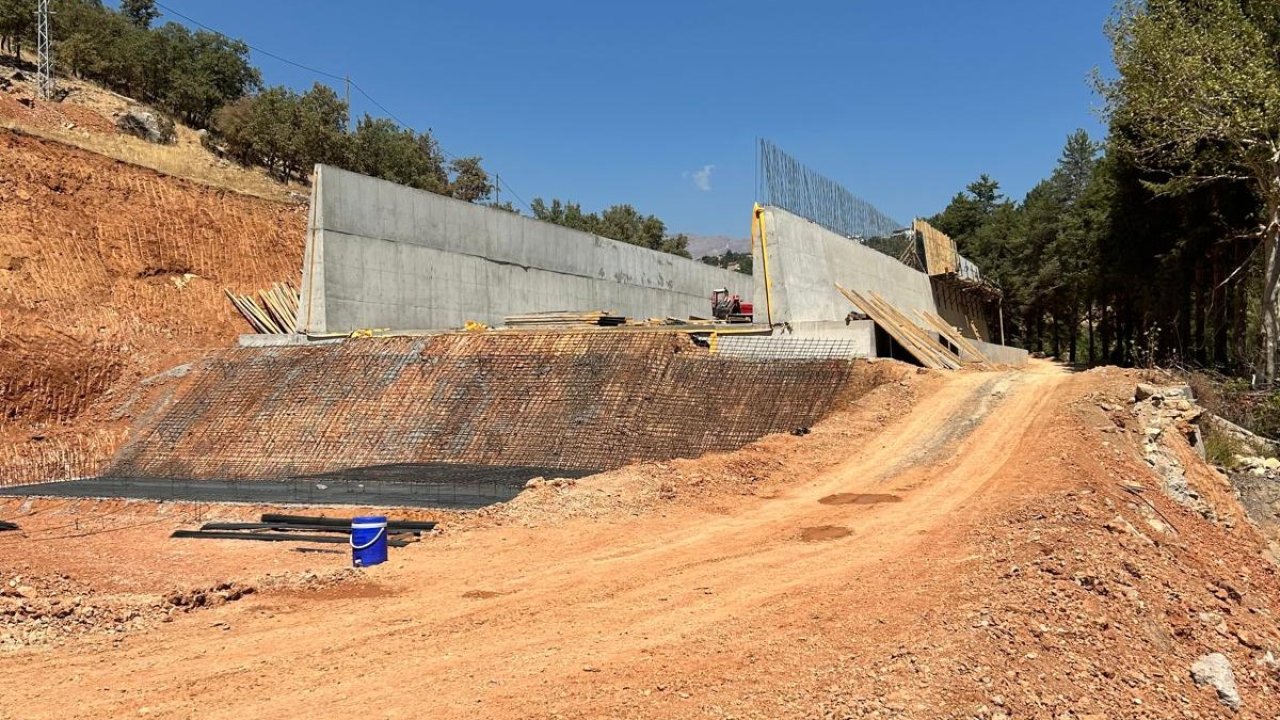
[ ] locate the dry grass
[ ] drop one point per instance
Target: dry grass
(187, 160)
(85, 119)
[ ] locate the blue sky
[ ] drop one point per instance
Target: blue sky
(659, 104)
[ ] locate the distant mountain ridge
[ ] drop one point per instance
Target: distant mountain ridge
(700, 245)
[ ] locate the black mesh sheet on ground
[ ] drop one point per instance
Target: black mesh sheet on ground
(442, 485)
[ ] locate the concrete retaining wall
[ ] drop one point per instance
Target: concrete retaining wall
(805, 261)
(1002, 354)
(381, 255)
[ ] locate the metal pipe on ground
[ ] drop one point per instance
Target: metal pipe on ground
(392, 525)
(393, 541)
(285, 527)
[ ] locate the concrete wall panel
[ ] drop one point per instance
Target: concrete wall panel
(380, 255)
(1002, 354)
(805, 261)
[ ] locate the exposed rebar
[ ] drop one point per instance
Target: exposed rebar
(790, 185)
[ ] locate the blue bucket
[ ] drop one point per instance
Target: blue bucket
(368, 540)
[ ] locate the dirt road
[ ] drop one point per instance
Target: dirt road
(742, 608)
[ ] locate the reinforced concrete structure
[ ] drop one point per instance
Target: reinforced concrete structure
(381, 255)
(798, 263)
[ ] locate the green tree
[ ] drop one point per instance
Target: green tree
(140, 12)
(730, 260)
(470, 181)
(1197, 99)
(677, 245)
(567, 214)
(208, 71)
(618, 222)
(625, 223)
(380, 148)
(98, 45)
(319, 126)
(271, 126)
(16, 21)
(231, 131)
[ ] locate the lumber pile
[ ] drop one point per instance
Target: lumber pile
(923, 347)
(564, 319)
(274, 312)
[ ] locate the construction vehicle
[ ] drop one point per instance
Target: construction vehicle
(730, 308)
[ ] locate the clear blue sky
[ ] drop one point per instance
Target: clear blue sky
(904, 102)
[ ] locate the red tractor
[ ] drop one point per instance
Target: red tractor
(730, 308)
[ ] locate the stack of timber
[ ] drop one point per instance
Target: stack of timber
(967, 349)
(923, 347)
(275, 312)
(564, 319)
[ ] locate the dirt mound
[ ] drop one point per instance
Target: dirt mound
(38, 611)
(110, 273)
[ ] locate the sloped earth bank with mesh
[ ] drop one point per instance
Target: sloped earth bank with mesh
(458, 420)
(110, 273)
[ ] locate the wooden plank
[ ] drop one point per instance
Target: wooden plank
(254, 321)
(924, 340)
(905, 337)
(953, 335)
(921, 350)
(967, 352)
(909, 342)
(955, 338)
(946, 357)
(866, 308)
(940, 257)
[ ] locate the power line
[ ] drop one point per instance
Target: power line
(341, 78)
(497, 178)
(514, 194)
(197, 23)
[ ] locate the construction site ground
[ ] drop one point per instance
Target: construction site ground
(950, 545)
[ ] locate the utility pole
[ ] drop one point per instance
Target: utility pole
(497, 188)
(350, 117)
(44, 50)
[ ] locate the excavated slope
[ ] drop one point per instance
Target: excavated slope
(110, 272)
(584, 402)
